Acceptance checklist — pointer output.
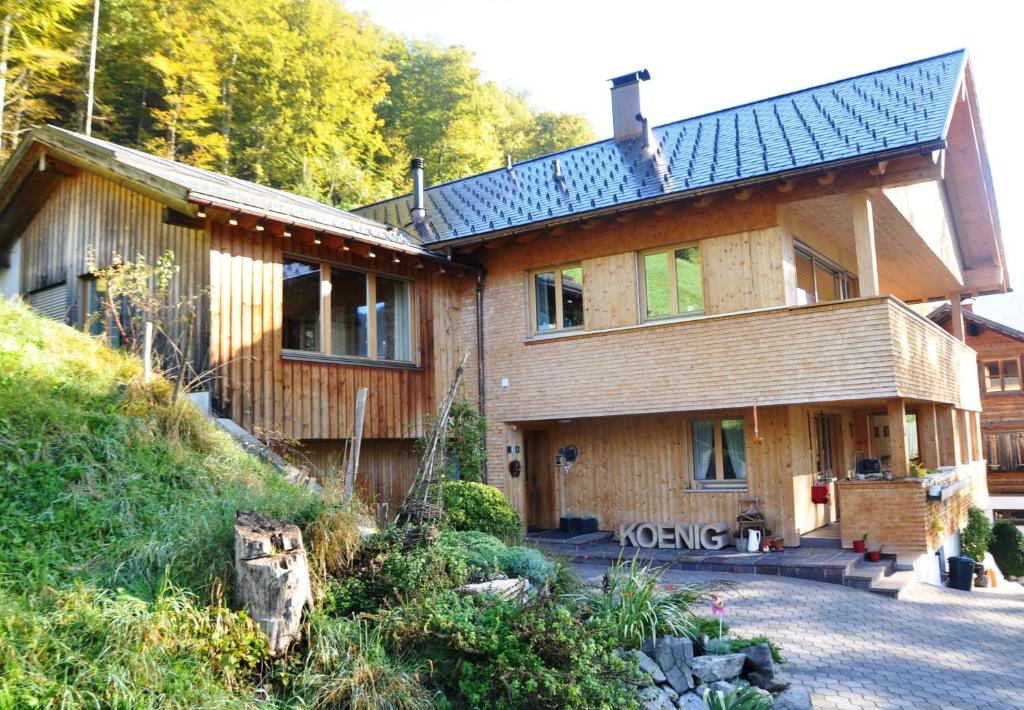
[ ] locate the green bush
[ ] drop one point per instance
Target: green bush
(1007, 547)
(747, 698)
(529, 563)
(488, 653)
(476, 506)
(636, 606)
(975, 535)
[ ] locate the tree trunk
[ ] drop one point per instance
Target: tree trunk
(273, 577)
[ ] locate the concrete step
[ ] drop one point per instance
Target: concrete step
(864, 575)
(895, 584)
(832, 543)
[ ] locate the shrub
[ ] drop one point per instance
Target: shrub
(489, 653)
(975, 535)
(332, 537)
(1007, 547)
(635, 606)
(748, 698)
(529, 563)
(476, 506)
(738, 644)
(348, 666)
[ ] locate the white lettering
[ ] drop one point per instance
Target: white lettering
(691, 536)
(627, 534)
(714, 537)
(666, 536)
(684, 536)
(646, 535)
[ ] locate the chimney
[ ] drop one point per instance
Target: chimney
(419, 211)
(626, 121)
(967, 307)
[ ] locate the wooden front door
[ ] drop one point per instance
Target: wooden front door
(539, 472)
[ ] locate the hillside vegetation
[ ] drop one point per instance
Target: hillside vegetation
(116, 513)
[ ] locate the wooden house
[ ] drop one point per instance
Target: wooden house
(680, 319)
(283, 287)
(1000, 350)
(666, 326)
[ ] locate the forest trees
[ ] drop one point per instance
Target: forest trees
(298, 94)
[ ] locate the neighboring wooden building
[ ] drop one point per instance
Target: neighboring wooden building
(282, 285)
(1000, 350)
(714, 310)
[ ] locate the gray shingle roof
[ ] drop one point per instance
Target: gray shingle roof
(876, 114)
(205, 186)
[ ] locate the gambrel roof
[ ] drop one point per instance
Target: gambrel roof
(872, 117)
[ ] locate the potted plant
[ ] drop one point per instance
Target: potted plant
(875, 555)
(861, 545)
(777, 544)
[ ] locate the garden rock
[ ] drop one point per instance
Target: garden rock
(654, 698)
(722, 686)
(508, 589)
(672, 695)
(773, 684)
(690, 701)
(712, 668)
(759, 658)
(673, 654)
(647, 665)
(794, 699)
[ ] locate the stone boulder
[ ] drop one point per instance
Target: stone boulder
(711, 668)
(647, 665)
(794, 699)
(759, 658)
(654, 698)
(773, 684)
(508, 589)
(690, 701)
(673, 655)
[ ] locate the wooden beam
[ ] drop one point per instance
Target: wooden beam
(966, 437)
(526, 238)
(988, 278)
(705, 201)
(786, 186)
(864, 236)
(744, 194)
(898, 437)
(880, 168)
(625, 217)
(827, 179)
(179, 219)
(494, 244)
(949, 435)
(956, 315)
(928, 432)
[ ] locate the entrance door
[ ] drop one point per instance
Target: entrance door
(539, 475)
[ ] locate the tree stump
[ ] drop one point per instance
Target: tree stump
(273, 576)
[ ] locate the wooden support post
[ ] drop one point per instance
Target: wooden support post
(949, 435)
(979, 448)
(963, 421)
(928, 431)
(898, 437)
(147, 356)
(864, 235)
(957, 316)
(352, 466)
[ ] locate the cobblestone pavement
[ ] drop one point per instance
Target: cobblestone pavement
(932, 648)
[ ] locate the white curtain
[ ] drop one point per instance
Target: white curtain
(732, 438)
(703, 448)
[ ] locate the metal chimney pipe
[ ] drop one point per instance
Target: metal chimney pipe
(626, 104)
(419, 210)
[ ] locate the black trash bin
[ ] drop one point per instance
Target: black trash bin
(961, 573)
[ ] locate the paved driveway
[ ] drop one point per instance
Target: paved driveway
(933, 648)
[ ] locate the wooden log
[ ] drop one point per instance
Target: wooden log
(272, 576)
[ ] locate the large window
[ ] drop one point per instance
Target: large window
(1001, 375)
(673, 283)
(556, 296)
(719, 453)
(819, 280)
(327, 311)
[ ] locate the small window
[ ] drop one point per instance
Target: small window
(673, 283)
(327, 311)
(1002, 376)
(719, 452)
(557, 296)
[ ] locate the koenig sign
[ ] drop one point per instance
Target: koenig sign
(679, 536)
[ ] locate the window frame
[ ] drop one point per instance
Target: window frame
(531, 291)
(323, 353)
(842, 277)
(1001, 363)
(717, 484)
(670, 251)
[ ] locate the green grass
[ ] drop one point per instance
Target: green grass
(116, 513)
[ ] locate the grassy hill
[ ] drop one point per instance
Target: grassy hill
(116, 512)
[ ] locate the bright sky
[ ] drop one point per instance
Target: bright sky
(712, 55)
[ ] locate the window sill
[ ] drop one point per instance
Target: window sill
(717, 489)
(321, 358)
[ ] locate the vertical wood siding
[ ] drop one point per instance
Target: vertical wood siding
(258, 387)
(86, 212)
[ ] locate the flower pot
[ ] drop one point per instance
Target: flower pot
(778, 546)
(860, 546)
(874, 556)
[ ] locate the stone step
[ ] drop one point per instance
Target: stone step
(832, 543)
(895, 584)
(864, 575)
